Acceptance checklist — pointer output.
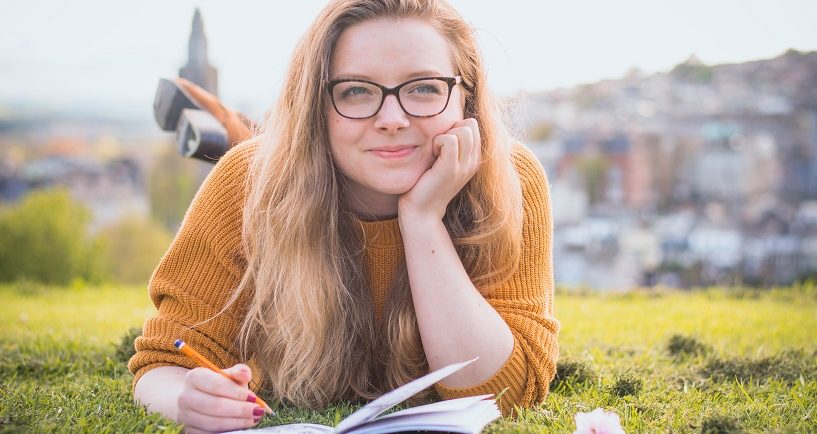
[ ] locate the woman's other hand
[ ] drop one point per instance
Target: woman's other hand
(209, 402)
(458, 152)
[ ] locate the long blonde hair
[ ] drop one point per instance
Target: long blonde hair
(310, 324)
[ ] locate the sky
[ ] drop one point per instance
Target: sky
(98, 53)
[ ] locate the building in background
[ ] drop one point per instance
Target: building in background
(198, 68)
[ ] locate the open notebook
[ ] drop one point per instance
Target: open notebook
(464, 415)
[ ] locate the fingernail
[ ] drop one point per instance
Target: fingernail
(251, 397)
(256, 419)
(258, 412)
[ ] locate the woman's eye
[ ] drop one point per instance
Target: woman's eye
(353, 91)
(426, 88)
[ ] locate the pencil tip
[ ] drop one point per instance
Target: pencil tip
(178, 344)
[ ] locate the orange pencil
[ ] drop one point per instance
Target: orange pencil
(188, 351)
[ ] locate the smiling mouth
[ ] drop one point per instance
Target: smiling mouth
(393, 153)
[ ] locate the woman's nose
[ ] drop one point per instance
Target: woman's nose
(391, 116)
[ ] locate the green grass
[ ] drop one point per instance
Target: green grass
(719, 360)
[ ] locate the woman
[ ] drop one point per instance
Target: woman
(381, 226)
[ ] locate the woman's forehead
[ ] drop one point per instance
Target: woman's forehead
(390, 51)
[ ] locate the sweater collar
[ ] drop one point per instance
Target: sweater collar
(381, 232)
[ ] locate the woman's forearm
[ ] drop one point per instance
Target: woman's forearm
(456, 322)
(159, 390)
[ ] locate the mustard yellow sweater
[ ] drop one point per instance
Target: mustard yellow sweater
(203, 264)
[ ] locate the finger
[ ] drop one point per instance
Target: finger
(437, 144)
(449, 153)
(465, 141)
(468, 132)
(217, 406)
(476, 138)
(446, 149)
(213, 383)
(240, 372)
(209, 423)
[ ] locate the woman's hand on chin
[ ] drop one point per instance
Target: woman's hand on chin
(458, 152)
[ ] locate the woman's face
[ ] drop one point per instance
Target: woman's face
(383, 156)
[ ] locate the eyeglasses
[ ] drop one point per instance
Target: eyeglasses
(420, 97)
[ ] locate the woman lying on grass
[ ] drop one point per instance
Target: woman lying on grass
(381, 225)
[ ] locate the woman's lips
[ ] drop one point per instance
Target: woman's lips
(393, 154)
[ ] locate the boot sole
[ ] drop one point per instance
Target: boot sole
(169, 102)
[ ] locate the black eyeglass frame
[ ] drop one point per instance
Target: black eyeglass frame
(386, 91)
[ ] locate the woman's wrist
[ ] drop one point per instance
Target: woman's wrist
(411, 219)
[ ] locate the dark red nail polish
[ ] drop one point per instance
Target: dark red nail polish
(258, 411)
(256, 419)
(251, 397)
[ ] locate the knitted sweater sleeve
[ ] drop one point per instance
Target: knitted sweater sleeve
(197, 276)
(525, 302)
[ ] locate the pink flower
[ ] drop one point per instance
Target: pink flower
(598, 421)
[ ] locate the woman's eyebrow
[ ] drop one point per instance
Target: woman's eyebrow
(415, 74)
(426, 73)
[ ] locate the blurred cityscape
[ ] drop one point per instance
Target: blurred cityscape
(696, 176)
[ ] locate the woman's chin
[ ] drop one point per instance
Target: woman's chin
(394, 185)
(397, 186)
(396, 190)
